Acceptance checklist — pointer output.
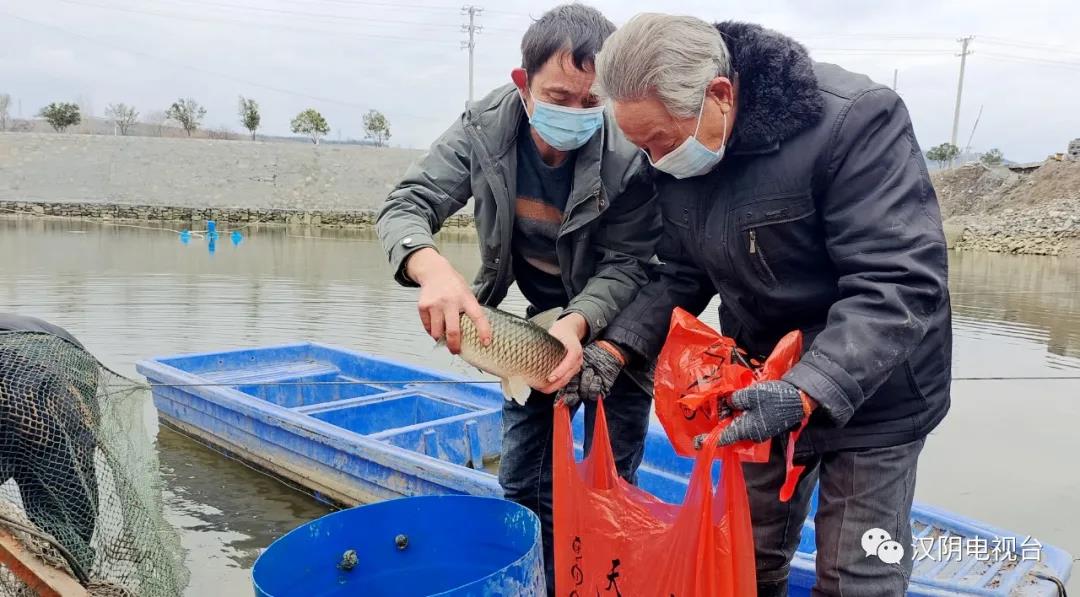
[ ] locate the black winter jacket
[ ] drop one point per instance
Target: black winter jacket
(821, 217)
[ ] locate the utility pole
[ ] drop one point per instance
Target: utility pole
(960, 87)
(967, 147)
(473, 30)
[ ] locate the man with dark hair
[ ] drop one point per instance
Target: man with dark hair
(563, 206)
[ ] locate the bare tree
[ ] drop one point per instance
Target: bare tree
(188, 113)
(157, 120)
(123, 116)
(993, 157)
(222, 132)
(5, 103)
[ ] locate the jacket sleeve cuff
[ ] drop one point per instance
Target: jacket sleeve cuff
(828, 385)
(407, 244)
(595, 316)
(638, 346)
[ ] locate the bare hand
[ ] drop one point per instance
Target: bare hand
(569, 330)
(444, 296)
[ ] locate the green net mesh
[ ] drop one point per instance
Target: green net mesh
(78, 466)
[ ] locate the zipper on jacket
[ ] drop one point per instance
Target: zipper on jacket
(757, 254)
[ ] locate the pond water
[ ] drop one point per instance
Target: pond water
(1006, 454)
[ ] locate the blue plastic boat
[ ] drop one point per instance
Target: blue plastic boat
(357, 428)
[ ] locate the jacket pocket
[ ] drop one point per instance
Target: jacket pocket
(776, 233)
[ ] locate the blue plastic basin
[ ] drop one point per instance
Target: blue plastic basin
(455, 545)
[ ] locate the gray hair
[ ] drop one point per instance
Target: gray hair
(669, 57)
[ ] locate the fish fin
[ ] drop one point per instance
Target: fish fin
(516, 389)
(546, 319)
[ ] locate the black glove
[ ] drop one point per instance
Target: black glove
(769, 408)
(601, 364)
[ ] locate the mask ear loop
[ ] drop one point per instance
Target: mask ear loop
(723, 140)
(524, 106)
(701, 112)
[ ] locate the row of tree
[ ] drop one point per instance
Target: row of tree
(189, 115)
(945, 153)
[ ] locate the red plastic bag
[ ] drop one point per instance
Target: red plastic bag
(696, 368)
(612, 538)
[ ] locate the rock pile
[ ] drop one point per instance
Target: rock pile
(998, 210)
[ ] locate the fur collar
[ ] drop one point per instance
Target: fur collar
(778, 91)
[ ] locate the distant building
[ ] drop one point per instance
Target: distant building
(1074, 149)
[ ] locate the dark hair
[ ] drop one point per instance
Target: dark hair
(574, 28)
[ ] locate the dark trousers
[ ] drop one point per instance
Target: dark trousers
(525, 469)
(860, 490)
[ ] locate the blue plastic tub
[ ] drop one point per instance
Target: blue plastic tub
(431, 545)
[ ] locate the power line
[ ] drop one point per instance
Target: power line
(1033, 60)
(796, 35)
(885, 50)
(879, 52)
(383, 4)
(508, 13)
(311, 15)
(1020, 378)
(208, 71)
(1028, 45)
(247, 24)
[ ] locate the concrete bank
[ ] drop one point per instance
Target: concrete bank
(197, 173)
(197, 216)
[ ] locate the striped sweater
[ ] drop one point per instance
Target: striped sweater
(542, 193)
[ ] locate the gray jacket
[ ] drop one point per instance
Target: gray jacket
(608, 232)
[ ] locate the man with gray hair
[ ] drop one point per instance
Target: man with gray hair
(796, 192)
(563, 207)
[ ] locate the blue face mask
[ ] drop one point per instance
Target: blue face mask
(692, 158)
(564, 128)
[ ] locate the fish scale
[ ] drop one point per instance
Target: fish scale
(519, 349)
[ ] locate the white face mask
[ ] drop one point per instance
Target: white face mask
(691, 158)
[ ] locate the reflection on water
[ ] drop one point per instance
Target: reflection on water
(130, 293)
(1018, 300)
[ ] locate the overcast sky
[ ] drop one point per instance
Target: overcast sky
(343, 57)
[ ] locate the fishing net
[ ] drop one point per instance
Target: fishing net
(79, 481)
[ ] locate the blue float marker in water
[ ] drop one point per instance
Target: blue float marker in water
(185, 236)
(211, 242)
(211, 229)
(236, 237)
